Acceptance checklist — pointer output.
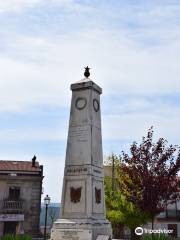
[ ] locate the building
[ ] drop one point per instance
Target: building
(169, 219)
(20, 197)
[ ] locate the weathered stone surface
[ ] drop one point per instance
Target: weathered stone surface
(73, 234)
(82, 203)
(102, 237)
(95, 228)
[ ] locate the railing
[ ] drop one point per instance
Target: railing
(169, 214)
(12, 206)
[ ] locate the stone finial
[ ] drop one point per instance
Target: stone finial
(87, 73)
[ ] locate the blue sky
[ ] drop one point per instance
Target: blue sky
(133, 48)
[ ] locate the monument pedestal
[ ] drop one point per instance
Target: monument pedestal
(82, 214)
(80, 229)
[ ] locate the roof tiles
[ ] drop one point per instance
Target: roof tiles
(18, 166)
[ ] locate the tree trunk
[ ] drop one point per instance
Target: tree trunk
(152, 227)
(152, 223)
(118, 230)
(133, 235)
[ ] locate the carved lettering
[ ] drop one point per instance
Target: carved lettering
(75, 171)
(80, 133)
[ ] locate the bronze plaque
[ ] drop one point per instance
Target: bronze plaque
(75, 194)
(98, 195)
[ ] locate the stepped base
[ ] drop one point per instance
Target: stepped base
(80, 229)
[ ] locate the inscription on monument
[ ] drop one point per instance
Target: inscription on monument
(80, 133)
(76, 170)
(78, 234)
(75, 194)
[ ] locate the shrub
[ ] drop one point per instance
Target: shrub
(7, 237)
(157, 237)
(16, 237)
(22, 237)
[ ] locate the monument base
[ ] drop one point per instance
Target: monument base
(80, 229)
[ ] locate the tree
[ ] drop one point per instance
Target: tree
(152, 170)
(119, 211)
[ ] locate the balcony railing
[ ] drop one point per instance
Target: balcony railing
(12, 206)
(170, 214)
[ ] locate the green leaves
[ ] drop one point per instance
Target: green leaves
(16, 237)
(157, 237)
(119, 210)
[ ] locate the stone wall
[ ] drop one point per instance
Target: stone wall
(30, 193)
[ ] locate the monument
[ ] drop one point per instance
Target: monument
(82, 214)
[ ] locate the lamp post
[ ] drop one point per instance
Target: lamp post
(46, 202)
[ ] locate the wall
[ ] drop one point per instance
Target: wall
(30, 193)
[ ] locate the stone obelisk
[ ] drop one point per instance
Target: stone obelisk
(82, 214)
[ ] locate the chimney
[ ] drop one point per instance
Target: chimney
(41, 167)
(34, 161)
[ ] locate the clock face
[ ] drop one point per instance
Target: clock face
(95, 105)
(80, 103)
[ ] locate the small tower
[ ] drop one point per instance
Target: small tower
(82, 203)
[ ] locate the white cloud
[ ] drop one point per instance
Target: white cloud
(35, 134)
(133, 125)
(40, 70)
(17, 5)
(24, 85)
(21, 5)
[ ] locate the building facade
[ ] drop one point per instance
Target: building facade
(170, 219)
(20, 197)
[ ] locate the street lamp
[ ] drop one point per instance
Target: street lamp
(46, 202)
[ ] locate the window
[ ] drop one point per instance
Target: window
(14, 193)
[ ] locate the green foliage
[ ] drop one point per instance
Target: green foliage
(16, 237)
(7, 237)
(119, 210)
(157, 237)
(23, 237)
